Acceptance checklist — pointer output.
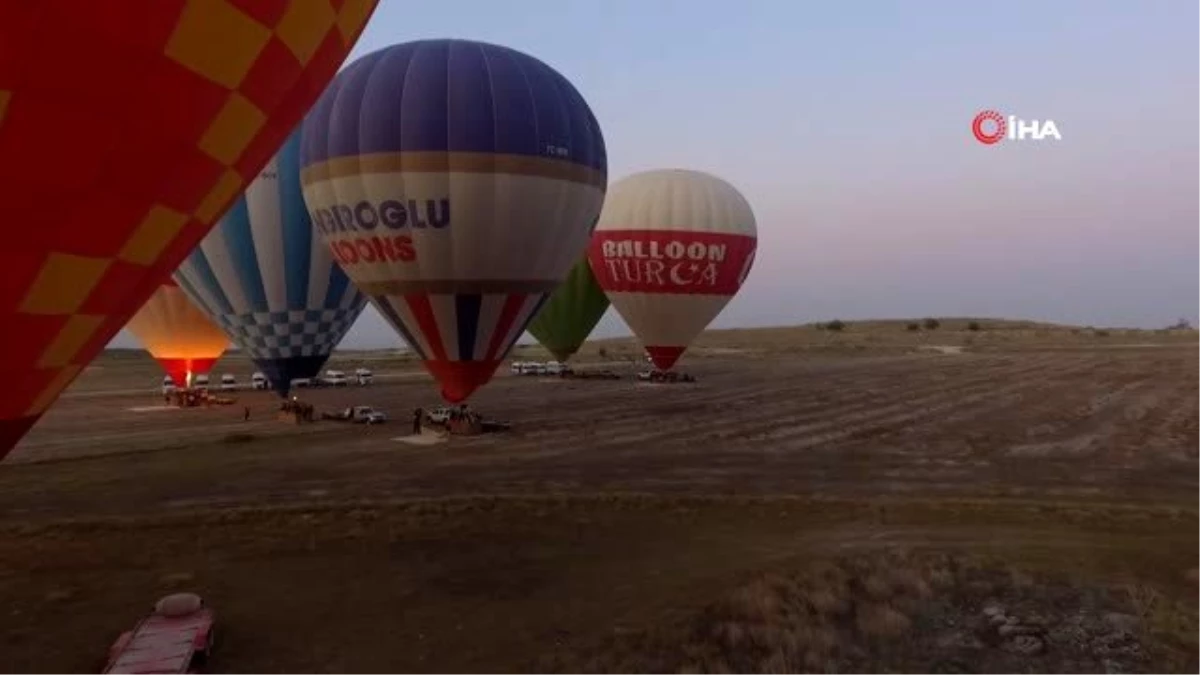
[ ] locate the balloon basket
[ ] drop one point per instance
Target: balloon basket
(462, 422)
(296, 412)
(665, 377)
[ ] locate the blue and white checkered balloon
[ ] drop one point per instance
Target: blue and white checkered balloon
(264, 275)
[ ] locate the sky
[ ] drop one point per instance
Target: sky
(847, 126)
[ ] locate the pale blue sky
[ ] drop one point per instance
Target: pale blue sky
(847, 126)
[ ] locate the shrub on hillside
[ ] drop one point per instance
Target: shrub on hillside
(913, 327)
(974, 326)
(835, 325)
(931, 324)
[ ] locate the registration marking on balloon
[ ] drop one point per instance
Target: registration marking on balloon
(635, 261)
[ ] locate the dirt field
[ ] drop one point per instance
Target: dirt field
(617, 525)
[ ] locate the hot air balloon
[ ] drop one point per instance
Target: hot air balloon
(571, 313)
(264, 277)
(671, 249)
(126, 130)
(177, 334)
(456, 183)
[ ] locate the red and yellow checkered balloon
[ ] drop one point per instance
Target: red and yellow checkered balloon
(127, 128)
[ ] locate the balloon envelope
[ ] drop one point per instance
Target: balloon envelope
(264, 276)
(456, 183)
(671, 249)
(571, 313)
(126, 129)
(177, 334)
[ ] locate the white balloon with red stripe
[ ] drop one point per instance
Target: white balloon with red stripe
(671, 249)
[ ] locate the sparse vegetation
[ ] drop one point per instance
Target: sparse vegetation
(913, 327)
(901, 612)
(974, 326)
(931, 324)
(836, 325)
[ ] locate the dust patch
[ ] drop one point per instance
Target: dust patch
(423, 439)
(941, 349)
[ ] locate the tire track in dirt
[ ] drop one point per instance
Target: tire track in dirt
(721, 403)
(716, 392)
(917, 404)
(862, 404)
(650, 423)
(550, 467)
(1005, 413)
(1179, 439)
(1158, 426)
(1079, 431)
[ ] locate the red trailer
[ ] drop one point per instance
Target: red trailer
(176, 637)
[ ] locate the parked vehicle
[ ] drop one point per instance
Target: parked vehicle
(363, 376)
(168, 386)
(200, 382)
(228, 382)
(334, 378)
(365, 414)
(259, 381)
(176, 637)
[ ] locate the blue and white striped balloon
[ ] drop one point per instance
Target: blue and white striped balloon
(269, 281)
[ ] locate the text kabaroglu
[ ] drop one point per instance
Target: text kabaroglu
(392, 214)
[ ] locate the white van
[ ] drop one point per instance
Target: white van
(168, 386)
(259, 381)
(517, 368)
(554, 368)
(335, 378)
(200, 382)
(228, 382)
(363, 376)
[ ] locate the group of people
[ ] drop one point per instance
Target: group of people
(457, 414)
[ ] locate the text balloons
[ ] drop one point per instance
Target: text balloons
(177, 334)
(126, 130)
(671, 249)
(568, 317)
(268, 281)
(456, 183)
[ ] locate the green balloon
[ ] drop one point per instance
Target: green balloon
(571, 313)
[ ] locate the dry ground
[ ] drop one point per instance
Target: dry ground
(619, 523)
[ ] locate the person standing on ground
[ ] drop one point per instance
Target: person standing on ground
(417, 414)
(246, 416)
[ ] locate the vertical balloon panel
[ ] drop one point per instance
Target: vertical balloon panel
(572, 312)
(270, 283)
(456, 183)
(163, 127)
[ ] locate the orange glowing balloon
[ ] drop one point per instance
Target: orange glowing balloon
(177, 334)
(127, 128)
